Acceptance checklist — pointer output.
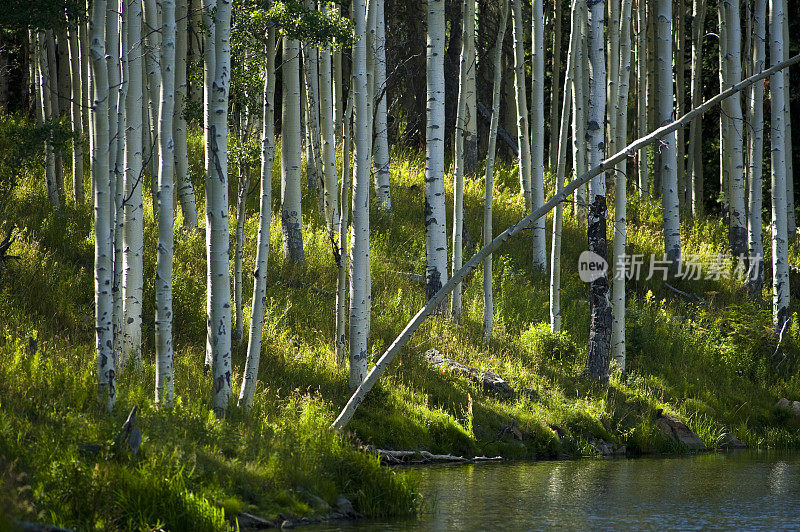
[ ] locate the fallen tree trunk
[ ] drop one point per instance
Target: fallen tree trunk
(424, 457)
(629, 151)
(488, 380)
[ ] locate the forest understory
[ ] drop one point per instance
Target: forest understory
(700, 350)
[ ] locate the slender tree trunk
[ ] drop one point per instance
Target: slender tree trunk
(152, 41)
(599, 354)
(217, 215)
(580, 161)
(642, 97)
(381, 148)
(118, 86)
(696, 128)
(791, 220)
(133, 239)
(264, 222)
(328, 138)
(291, 209)
(780, 243)
(435, 216)
(680, 98)
(166, 157)
(467, 29)
(359, 239)
(55, 106)
(311, 77)
(344, 225)
(555, 87)
(183, 180)
(537, 136)
(488, 302)
(612, 62)
(471, 107)
(555, 254)
(666, 113)
(46, 115)
(724, 129)
(756, 151)
(76, 117)
(103, 247)
(521, 97)
(243, 184)
(621, 193)
(209, 68)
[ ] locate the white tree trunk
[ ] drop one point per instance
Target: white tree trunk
(756, 150)
(209, 67)
(359, 240)
(344, 225)
(599, 354)
(103, 246)
(555, 87)
(666, 112)
(488, 299)
(118, 85)
(467, 29)
(217, 215)
(46, 115)
(579, 157)
(264, 222)
(311, 76)
(642, 96)
(612, 62)
(471, 108)
(328, 139)
(539, 233)
(381, 148)
(291, 209)
(791, 221)
(696, 128)
(435, 216)
(737, 230)
(183, 180)
(133, 238)
(152, 39)
(243, 184)
(521, 97)
(780, 243)
(558, 215)
(166, 157)
(76, 117)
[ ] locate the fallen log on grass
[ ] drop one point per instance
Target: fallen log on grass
(486, 379)
(391, 457)
(608, 164)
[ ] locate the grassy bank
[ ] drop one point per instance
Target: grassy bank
(712, 363)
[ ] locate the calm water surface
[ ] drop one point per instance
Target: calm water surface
(752, 491)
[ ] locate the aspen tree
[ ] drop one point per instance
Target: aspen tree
(381, 137)
(471, 104)
(328, 140)
(133, 238)
(520, 97)
(183, 180)
(755, 147)
(467, 29)
(209, 66)
(76, 116)
(291, 211)
(488, 299)
(780, 243)
(537, 136)
(555, 86)
(666, 111)
(555, 253)
(642, 97)
(344, 223)
(732, 107)
(612, 69)
(579, 157)
(217, 215)
(103, 246)
(599, 353)
(359, 237)
(46, 115)
(791, 222)
(166, 158)
(435, 216)
(264, 222)
(696, 127)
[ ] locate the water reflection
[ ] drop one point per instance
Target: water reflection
(755, 491)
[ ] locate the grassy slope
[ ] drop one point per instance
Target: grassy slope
(710, 363)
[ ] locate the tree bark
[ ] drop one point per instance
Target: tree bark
(291, 207)
(539, 233)
(696, 128)
(184, 180)
(756, 151)
(381, 149)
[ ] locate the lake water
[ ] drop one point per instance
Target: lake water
(746, 490)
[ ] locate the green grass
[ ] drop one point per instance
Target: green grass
(710, 363)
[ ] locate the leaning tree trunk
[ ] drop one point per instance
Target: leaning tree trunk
(166, 157)
(133, 236)
(696, 128)
(488, 303)
(435, 216)
(521, 97)
(359, 237)
(558, 215)
(217, 215)
(264, 222)
(599, 354)
(668, 158)
(537, 136)
(780, 244)
(737, 228)
(291, 208)
(467, 29)
(756, 152)
(183, 179)
(103, 245)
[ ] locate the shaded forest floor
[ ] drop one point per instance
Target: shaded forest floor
(713, 363)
